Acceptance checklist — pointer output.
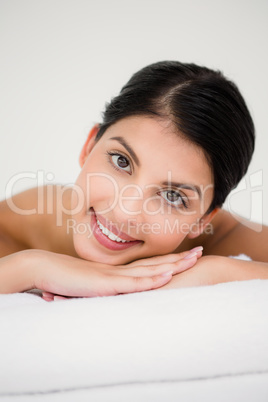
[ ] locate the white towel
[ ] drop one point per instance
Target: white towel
(175, 340)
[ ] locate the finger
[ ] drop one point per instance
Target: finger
(150, 270)
(168, 258)
(124, 284)
(160, 259)
(47, 296)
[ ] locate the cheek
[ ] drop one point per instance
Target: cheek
(207, 199)
(96, 189)
(167, 233)
(102, 191)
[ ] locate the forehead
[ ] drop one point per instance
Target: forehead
(160, 148)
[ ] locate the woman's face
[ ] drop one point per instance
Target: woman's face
(142, 189)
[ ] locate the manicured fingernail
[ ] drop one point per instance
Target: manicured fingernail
(47, 300)
(191, 255)
(197, 249)
(47, 297)
(168, 273)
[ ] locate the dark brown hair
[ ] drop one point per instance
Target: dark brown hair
(203, 105)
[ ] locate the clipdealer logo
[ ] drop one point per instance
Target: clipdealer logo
(247, 199)
(139, 228)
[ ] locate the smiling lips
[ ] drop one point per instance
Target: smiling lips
(107, 238)
(109, 234)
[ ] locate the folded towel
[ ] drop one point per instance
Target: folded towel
(176, 336)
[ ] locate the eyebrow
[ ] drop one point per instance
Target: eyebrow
(186, 186)
(126, 145)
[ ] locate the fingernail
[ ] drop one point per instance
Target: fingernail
(47, 297)
(168, 273)
(197, 249)
(47, 300)
(191, 255)
(47, 294)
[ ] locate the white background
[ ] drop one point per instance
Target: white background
(62, 60)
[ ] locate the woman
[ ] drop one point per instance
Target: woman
(155, 173)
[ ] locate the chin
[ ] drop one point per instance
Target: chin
(84, 253)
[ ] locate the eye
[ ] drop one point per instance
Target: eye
(174, 198)
(121, 162)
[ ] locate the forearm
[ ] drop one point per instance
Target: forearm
(210, 270)
(15, 273)
(240, 270)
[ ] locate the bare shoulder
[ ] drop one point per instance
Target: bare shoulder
(29, 219)
(232, 235)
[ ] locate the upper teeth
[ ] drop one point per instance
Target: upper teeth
(109, 234)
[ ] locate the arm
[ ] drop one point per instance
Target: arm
(210, 270)
(230, 236)
(64, 275)
(15, 274)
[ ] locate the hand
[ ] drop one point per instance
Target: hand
(61, 275)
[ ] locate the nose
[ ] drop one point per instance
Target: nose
(129, 223)
(129, 206)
